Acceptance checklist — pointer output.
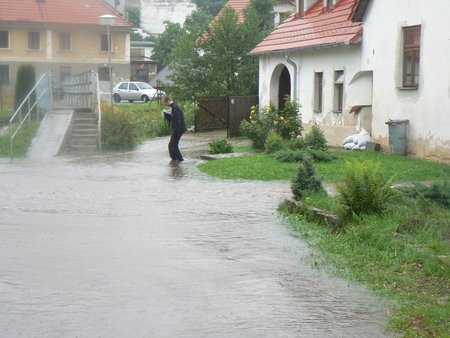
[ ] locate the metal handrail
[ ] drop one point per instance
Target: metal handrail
(99, 123)
(13, 132)
(83, 91)
(79, 90)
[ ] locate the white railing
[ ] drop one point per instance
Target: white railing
(97, 87)
(38, 101)
(79, 91)
(82, 91)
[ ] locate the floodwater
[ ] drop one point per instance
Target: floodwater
(128, 245)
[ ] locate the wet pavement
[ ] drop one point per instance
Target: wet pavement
(128, 245)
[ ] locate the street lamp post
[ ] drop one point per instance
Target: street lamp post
(108, 20)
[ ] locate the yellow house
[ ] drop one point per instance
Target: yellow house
(62, 36)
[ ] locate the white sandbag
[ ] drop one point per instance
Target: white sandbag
(363, 138)
(349, 145)
(350, 139)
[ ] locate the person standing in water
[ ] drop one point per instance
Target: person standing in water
(178, 125)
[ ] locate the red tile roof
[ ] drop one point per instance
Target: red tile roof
(75, 12)
(317, 28)
(238, 6)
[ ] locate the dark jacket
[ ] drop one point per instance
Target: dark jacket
(177, 120)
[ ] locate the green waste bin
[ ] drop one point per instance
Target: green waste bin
(398, 131)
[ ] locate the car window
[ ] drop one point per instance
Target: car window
(144, 85)
(133, 86)
(124, 86)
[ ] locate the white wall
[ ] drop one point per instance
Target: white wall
(373, 74)
(327, 61)
(428, 107)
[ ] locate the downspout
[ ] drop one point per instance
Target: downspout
(293, 64)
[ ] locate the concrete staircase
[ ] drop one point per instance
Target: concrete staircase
(84, 135)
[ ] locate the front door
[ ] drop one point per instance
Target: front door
(284, 87)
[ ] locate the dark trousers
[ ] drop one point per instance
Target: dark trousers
(174, 151)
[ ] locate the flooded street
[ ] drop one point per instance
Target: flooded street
(127, 245)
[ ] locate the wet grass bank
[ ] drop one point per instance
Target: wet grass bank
(403, 254)
(21, 142)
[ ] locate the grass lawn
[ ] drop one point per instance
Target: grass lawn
(402, 254)
(263, 167)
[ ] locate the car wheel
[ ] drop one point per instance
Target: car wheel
(116, 98)
(145, 98)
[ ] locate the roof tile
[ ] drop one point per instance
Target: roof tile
(317, 28)
(76, 12)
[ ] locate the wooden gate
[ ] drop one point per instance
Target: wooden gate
(220, 112)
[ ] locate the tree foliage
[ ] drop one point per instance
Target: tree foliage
(265, 13)
(211, 7)
(196, 23)
(134, 16)
(26, 80)
(212, 57)
(166, 42)
(220, 60)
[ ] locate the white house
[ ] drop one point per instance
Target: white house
(360, 63)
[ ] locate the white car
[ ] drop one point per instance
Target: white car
(135, 91)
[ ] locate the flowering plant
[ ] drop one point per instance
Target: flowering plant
(289, 125)
(260, 124)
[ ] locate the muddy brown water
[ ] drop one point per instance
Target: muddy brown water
(128, 245)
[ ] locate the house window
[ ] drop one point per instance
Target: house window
(34, 40)
(338, 91)
(64, 41)
(411, 56)
(103, 73)
(4, 75)
(4, 39)
(318, 92)
(104, 42)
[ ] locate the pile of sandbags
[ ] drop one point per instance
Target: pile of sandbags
(357, 141)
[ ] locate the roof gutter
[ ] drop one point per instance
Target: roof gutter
(293, 64)
(356, 41)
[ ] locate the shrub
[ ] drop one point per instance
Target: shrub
(438, 192)
(305, 180)
(189, 109)
(320, 155)
(289, 125)
(220, 146)
(297, 144)
(151, 124)
(315, 139)
(364, 189)
(119, 129)
(289, 155)
(273, 143)
(260, 125)
(26, 80)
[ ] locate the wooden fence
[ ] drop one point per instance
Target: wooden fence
(223, 112)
